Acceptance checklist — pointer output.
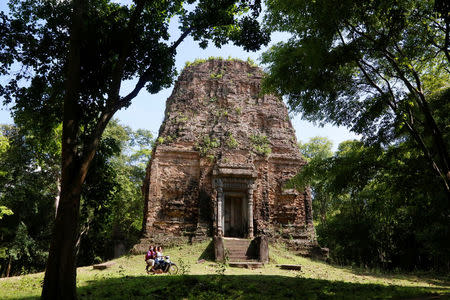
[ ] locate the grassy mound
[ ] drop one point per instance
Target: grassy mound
(127, 279)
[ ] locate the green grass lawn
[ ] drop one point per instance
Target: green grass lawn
(127, 279)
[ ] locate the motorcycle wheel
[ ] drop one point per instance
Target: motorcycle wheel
(173, 269)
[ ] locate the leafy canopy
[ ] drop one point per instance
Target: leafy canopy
(119, 42)
(372, 66)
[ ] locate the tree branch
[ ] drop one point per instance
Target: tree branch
(366, 75)
(444, 174)
(446, 47)
(430, 121)
(144, 77)
(389, 88)
(111, 107)
(90, 147)
(113, 95)
(180, 39)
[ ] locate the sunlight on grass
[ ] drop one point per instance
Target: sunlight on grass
(127, 278)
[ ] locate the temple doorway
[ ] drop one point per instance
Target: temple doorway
(235, 217)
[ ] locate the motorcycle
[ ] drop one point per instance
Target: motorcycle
(166, 266)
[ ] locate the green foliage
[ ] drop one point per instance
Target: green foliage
(206, 145)
(201, 60)
(3, 144)
(184, 268)
(181, 118)
(197, 61)
(216, 75)
(164, 140)
(232, 142)
(251, 62)
(315, 152)
(379, 207)
(261, 144)
(127, 279)
(316, 148)
(369, 66)
(64, 62)
(28, 186)
(4, 211)
(112, 198)
(221, 113)
(105, 26)
(238, 110)
(220, 268)
(141, 141)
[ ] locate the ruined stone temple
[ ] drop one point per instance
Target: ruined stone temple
(221, 160)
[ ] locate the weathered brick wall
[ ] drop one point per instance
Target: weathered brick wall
(216, 116)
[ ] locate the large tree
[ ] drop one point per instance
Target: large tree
(67, 61)
(111, 198)
(384, 208)
(372, 66)
(27, 189)
(315, 151)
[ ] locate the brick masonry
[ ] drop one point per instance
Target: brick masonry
(218, 127)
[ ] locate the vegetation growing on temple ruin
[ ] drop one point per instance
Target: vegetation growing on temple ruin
(232, 142)
(216, 75)
(260, 144)
(221, 112)
(207, 144)
(181, 118)
(198, 61)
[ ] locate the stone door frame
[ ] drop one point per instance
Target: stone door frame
(231, 185)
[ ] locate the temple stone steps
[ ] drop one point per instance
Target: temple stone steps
(239, 252)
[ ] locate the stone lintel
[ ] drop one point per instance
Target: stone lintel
(287, 159)
(171, 152)
(235, 170)
(291, 192)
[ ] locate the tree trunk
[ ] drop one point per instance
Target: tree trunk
(60, 274)
(8, 268)
(58, 185)
(438, 140)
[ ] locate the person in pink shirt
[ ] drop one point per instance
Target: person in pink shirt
(150, 258)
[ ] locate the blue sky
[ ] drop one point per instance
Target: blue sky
(147, 111)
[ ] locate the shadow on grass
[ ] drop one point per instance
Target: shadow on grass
(208, 253)
(246, 287)
(428, 277)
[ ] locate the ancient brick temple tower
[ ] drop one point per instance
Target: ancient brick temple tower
(223, 154)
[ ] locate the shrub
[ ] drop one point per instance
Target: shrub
(260, 144)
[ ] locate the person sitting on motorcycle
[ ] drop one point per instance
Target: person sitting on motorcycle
(150, 258)
(159, 261)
